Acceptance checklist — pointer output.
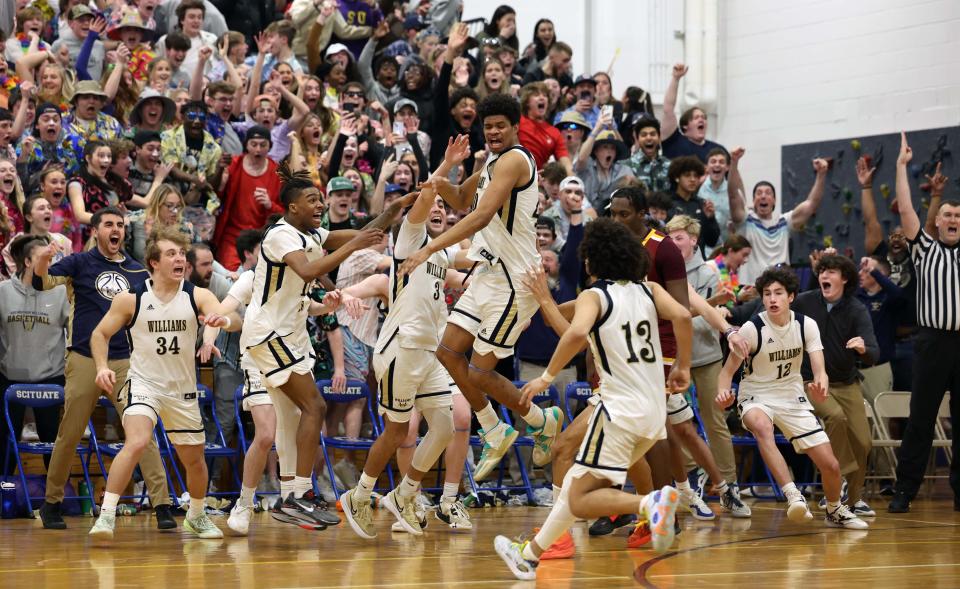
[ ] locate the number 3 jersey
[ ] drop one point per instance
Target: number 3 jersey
(163, 340)
(771, 374)
(418, 307)
(626, 346)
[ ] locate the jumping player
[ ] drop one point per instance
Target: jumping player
(619, 315)
(771, 394)
(162, 318)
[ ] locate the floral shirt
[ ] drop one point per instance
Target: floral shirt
(318, 328)
(104, 128)
(652, 172)
(96, 196)
(174, 148)
(61, 151)
(65, 223)
(140, 61)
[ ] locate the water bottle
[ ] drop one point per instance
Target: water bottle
(86, 506)
(126, 509)
(8, 499)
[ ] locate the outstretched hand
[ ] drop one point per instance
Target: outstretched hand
(906, 152)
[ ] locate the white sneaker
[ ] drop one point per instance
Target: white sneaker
(696, 506)
(29, 433)
(732, 503)
(103, 528)
(239, 520)
(454, 514)
(512, 554)
(842, 517)
(861, 509)
(797, 510)
(86, 433)
(544, 437)
(405, 510)
(203, 527)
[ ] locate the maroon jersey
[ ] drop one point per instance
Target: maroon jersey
(666, 264)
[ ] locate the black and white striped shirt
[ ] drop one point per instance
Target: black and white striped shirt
(938, 282)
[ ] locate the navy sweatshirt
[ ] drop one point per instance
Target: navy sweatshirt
(885, 308)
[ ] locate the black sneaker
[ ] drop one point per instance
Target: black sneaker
(165, 519)
(50, 516)
(323, 512)
(606, 525)
(900, 503)
(302, 510)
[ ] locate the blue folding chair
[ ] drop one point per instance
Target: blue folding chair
(576, 391)
(166, 455)
(39, 396)
(218, 448)
(354, 391)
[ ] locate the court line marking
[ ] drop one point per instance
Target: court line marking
(446, 583)
(816, 570)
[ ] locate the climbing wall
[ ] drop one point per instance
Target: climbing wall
(839, 222)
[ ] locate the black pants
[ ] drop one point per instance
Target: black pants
(48, 422)
(936, 369)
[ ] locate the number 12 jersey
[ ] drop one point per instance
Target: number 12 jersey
(771, 374)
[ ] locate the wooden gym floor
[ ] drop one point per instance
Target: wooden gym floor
(919, 549)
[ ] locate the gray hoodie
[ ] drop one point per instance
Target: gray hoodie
(33, 327)
(706, 341)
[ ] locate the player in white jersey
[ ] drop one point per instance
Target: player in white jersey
(618, 316)
(260, 403)
(771, 394)
(162, 318)
(291, 258)
(497, 306)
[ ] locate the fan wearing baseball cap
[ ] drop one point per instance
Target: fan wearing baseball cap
(572, 201)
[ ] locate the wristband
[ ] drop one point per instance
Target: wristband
(867, 186)
(229, 323)
(547, 377)
(730, 331)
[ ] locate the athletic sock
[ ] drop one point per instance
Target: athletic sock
(301, 485)
(407, 487)
(722, 487)
(790, 490)
(450, 492)
(556, 493)
(684, 486)
(286, 487)
(364, 487)
(833, 506)
(196, 508)
(246, 495)
(646, 505)
(109, 506)
(488, 418)
(535, 417)
(528, 554)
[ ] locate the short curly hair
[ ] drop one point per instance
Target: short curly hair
(846, 268)
(683, 164)
(499, 104)
(612, 252)
(779, 273)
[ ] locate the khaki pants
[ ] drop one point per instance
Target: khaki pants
(845, 421)
(714, 419)
(82, 394)
(876, 380)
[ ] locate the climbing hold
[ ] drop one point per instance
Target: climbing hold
(827, 241)
(843, 229)
(924, 203)
(846, 208)
(847, 193)
(855, 144)
(818, 228)
(885, 190)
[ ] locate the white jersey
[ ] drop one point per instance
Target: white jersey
(163, 340)
(280, 304)
(626, 345)
(417, 304)
(771, 374)
(511, 236)
(242, 289)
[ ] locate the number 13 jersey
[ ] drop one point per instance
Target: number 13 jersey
(771, 374)
(626, 348)
(163, 340)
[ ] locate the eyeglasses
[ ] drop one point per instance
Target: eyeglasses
(172, 207)
(195, 115)
(354, 94)
(568, 126)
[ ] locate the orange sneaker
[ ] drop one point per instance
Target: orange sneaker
(563, 547)
(641, 535)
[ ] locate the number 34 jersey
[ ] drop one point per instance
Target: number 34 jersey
(163, 340)
(771, 374)
(626, 347)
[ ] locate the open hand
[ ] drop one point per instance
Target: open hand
(413, 260)
(937, 182)
(817, 391)
(864, 172)
(207, 351)
(725, 398)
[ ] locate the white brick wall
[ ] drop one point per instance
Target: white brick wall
(804, 70)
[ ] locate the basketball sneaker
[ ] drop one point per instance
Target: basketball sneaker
(239, 520)
(300, 511)
(661, 512)
(607, 524)
(420, 510)
(203, 527)
(103, 528)
(359, 515)
(512, 554)
(731, 503)
(842, 517)
(496, 442)
(797, 510)
(843, 496)
(861, 509)
(454, 514)
(562, 547)
(405, 510)
(543, 437)
(641, 535)
(697, 507)
(322, 512)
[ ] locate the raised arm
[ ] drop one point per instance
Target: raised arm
(116, 76)
(872, 231)
(29, 91)
(197, 80)
(937, 183)
(735, 192)
(300, 108)
(458, 197)
(308, 271)
(256, 76)
(83, 57)
(669, 123)
(803, 211)
(908, 215)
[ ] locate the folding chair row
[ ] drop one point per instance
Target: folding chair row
(896, 405)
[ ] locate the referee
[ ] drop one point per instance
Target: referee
(937, 346)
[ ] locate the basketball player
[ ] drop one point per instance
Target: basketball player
(495, 308)
(771, 394)
(618, 314)
(274, 330)
(257, 400)
(409, 374)
(162, 318)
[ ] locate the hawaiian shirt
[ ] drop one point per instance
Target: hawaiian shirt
(140, 61)
(317, 329)
(104, 128)
(173, 148)
(652, 172)
(60, 151)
